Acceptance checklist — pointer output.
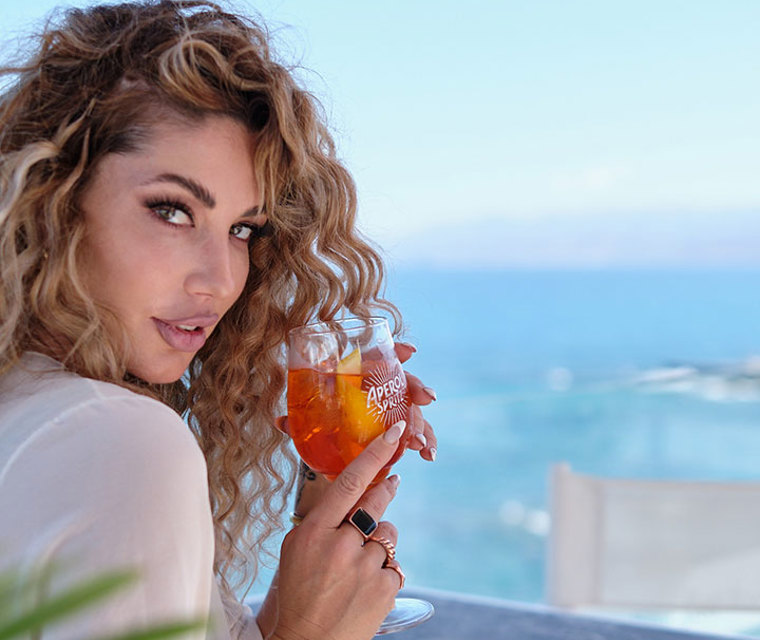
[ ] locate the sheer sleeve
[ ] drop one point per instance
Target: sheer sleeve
(118, 483)
(241, 620)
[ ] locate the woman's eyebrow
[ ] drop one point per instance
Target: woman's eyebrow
(201, 193)
(256, 215)
(194, 187)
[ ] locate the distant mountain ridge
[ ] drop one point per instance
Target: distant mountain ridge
(703, 239)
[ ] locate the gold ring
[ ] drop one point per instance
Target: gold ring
(394, 566)
(390, 549)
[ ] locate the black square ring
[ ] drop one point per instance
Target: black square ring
(364, 522)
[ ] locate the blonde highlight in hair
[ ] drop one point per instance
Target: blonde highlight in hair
(95, 86)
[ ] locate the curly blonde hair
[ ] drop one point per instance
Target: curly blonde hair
(95, 84)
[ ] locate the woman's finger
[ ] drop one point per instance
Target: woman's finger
(431, 448)
(416, 440)
(421, 435)
(418, 392)
(382, 543)
(395, 567)
(346, 490)
(375, 501)
(404, 350)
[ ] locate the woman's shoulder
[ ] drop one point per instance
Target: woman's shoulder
(41, 382)
(73, 445)
(43, 406)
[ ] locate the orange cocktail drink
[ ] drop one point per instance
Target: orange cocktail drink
(345, 387)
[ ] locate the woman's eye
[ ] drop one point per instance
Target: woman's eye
(172, 214)
(242, 231)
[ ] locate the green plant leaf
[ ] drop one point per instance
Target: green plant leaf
(159, 632)
(68, 603)
(10, 584)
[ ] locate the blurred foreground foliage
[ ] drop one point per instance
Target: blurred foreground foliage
(26, 609)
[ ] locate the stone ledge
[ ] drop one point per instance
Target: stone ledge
(460, 616)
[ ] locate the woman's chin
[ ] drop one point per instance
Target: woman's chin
(160, 372)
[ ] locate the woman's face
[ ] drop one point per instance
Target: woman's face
(167, 238)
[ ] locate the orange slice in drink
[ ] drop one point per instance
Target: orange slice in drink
(360, 425)
(351, 364)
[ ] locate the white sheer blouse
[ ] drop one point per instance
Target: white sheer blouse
(98, 478)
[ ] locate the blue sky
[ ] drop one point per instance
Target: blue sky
(537, 133)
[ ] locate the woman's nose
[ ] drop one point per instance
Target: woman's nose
(213, 270)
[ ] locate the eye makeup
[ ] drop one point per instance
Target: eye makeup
(163, 209)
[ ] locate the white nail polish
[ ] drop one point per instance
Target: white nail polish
(421, 437)
(394, 433)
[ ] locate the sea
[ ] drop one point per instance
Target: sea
(629, 373)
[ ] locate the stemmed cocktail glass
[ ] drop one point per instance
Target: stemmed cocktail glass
(345, 387)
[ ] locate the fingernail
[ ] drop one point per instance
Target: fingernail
(394, 433)
(421, 437)
(430, 392)
(409, 345)
(395, 480)
(433, 452)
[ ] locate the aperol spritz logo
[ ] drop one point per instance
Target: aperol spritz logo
(386, 394)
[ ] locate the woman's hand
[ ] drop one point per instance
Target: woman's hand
(331, 584)
(421, 435)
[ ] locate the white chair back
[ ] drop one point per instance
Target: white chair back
(646, 544)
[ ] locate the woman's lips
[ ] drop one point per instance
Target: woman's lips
(181, 339)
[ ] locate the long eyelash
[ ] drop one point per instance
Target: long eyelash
(154, 203)
(258, 230)
(167, 203)
(262, 231)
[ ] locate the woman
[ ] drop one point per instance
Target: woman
(170, 206)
